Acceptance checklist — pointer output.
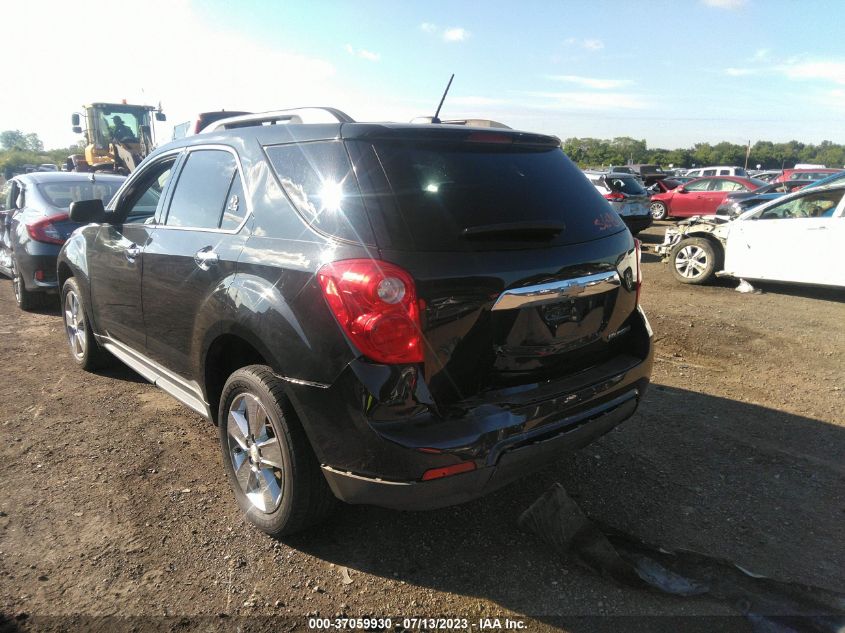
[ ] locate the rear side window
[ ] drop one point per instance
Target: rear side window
(202, 190)
(318, 179)
(448, 196)
(61, 194)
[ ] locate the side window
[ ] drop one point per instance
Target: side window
(708, 172)
(139, 204)
(699, 185)
(724, 172)
(319, 180)
(813, 205)
(728, 185)
(202, 190)
(235, 210)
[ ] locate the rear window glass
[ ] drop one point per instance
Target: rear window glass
(61, 194)
(631, 186)
(319, 180)
(442, 189)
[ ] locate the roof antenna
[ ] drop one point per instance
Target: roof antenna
(435, 118)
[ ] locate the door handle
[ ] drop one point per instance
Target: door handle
(132, 252)
(206, 258)
(817, 228)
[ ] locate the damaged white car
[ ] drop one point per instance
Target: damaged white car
(798, 238)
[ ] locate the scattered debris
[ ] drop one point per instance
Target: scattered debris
(345, 578)
(746, 287)
(770, 605)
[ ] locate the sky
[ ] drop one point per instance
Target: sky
(672, 72)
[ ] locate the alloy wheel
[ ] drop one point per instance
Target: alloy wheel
(691, 261)
(75, 325)
(256, 453)
(658, 210)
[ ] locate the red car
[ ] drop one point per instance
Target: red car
(701, 196)
(806, 174)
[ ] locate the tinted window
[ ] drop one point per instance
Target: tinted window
(631, 186)
(202, 189)
(444, 192)
(319, 180)
(708, 172)
(61, 194)
(739, 171)
(139, 203)
(235, 210)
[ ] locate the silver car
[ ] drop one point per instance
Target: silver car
(627, 196)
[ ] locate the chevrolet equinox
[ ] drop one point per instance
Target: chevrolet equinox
(402, 315)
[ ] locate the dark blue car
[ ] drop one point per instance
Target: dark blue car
(34, 224)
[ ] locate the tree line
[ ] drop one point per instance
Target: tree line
(594, 152)
(18, 149)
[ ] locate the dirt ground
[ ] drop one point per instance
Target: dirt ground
(113, 500)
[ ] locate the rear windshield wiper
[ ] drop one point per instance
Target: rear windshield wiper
(515, 230)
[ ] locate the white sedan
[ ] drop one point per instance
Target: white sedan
(798, 238)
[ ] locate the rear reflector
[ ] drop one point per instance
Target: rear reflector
(446, 471)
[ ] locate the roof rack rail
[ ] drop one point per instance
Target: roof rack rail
(291, 115)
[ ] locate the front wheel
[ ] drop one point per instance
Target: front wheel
(84, 349)
(273, 471)
(694, 260)
(658, 210)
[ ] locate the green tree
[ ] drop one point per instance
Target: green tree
(13, 139)
(33, 143)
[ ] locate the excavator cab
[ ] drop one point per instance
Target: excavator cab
(118, 136)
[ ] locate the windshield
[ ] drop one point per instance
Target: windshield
(119, 124)
(61, 194)
(445, 191)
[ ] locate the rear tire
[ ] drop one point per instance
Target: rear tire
(84, 349)
(26, 299)
(695, 260)
(268, 459)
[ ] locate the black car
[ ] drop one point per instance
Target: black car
(401, 315)
(34, 224)
(738, 202)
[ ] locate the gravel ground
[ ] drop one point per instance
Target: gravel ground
(115, 511)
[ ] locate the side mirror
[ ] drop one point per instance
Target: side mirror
(76, 129)
(680, 189)
(87, 211)
(161, 116)
(74, 119)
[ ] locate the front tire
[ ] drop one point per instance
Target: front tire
(658, 209)
(84, 349)
(271, 467)
(695, 260)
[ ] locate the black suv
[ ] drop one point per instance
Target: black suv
(401, 315)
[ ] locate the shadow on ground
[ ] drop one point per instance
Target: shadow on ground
(730, 479)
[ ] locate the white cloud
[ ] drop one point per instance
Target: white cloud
(210, 78)
(591, 82)
(428, 27)
(591, 44)
(455, 34)
(833, 71)
(738, 72)
(725, 4)
(362, 53)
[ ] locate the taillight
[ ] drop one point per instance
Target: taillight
(638, 247)
(614, 196)
(376, 305)
(44, 230)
